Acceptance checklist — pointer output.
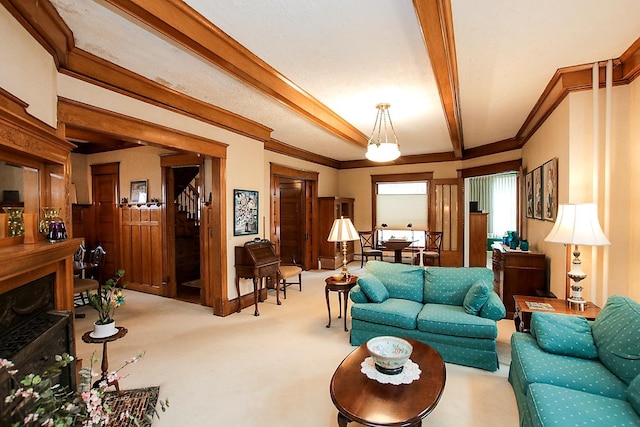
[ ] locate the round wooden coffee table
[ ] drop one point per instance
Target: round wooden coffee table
(372, 403)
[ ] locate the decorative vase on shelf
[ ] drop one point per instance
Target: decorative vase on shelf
(52, 225)
(15, 221)
(104, 331)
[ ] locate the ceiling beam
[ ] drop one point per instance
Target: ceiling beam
(437, 30)
(176, 20)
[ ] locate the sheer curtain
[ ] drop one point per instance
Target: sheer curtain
(497, 195)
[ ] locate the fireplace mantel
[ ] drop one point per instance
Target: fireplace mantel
(21, 264)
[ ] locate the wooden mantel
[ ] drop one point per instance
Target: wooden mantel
(21, 264)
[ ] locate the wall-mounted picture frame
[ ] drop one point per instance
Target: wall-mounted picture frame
(529, 194)
(537, 193)
(245, 212)
(138, 191)
(550, 184)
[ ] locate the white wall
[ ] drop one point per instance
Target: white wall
(27, 70)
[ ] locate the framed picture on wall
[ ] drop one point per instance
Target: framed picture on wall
(537, 193)
(529, 194)
(550, 184)
(245, 212)
(138, 191)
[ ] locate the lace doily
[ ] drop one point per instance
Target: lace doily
(409, 374)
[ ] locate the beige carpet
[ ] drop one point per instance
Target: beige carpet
(273, 370)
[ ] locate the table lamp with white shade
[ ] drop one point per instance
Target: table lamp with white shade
(577, 224)
(343, 231)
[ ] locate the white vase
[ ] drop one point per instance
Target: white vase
(104, 331)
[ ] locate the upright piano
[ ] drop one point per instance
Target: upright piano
(256, 260)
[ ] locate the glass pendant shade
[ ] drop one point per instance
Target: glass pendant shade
(383, 147)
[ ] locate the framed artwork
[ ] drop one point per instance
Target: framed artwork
(245, 212)
(550, 184)
(138, 191)
(537, 193)
(529, 194)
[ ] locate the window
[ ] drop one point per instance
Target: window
(403, 207)
(496, 194)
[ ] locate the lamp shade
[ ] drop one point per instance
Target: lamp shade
(578, 224)
(342, 231)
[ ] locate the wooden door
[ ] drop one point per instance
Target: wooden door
(445, 214)
(105, 188)
(292, 220)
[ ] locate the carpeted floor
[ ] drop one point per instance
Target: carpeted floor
(273, 370)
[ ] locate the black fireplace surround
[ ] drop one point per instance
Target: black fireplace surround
(31, 334)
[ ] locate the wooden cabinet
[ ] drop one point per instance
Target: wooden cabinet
(477, 239)
(330, 208)
(517, 273)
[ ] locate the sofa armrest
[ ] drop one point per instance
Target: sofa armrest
(493, 309)
(563, 334)
(357, 295)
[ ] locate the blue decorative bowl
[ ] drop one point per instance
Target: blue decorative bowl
(389, 353)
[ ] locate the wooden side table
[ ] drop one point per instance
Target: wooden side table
(342, 287)
(522, 315)
(122, 331)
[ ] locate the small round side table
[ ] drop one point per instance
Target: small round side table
(86, 337)
(342, 287)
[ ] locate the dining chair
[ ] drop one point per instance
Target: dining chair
(368, 247)
(92, 270)
(289, 271)
(432, 248)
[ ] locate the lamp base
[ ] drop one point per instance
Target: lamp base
(576, 303)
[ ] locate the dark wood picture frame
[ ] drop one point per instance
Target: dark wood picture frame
(550, 184)
(529, 194)
(245, 212)
(138, 193)
(538, 193)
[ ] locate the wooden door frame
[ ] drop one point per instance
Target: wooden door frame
(167, 163)
(278, 171)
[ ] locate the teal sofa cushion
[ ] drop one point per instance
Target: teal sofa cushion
(616, 333)
(455, 321)
(357, 294)
(373, 288)
(401, 313)
(563, 334)
(401, 280)
(476, 297)
(530, 364)
(558, 406)
(449, 285)
(633, 394)
(494, 308)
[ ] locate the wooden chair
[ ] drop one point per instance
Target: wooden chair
(432, 249)
(289, 271)
(368, 246)
(92, 275)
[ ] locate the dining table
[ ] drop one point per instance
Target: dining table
(397, 246)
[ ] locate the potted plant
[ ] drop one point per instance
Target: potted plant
(105, 301)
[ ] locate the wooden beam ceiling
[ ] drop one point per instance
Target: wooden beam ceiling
(437, 30)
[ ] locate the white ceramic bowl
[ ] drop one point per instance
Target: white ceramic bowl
(389, 353)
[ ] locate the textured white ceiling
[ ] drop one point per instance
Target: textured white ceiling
(352, 55)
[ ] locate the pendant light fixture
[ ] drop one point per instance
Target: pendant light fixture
(380, 148)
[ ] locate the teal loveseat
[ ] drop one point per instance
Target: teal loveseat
(453, 309)
(572, 372)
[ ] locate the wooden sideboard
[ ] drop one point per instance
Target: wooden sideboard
(517, 272)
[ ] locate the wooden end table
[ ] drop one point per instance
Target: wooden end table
(372, 403)
(122, 331)
(522, 314)
(342, 287)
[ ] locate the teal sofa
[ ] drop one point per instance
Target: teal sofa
(572, 372)
(453, 309)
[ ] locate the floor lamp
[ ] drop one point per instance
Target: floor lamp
(343, 231)
(577, 224)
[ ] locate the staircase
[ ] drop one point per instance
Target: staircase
(187, 201)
